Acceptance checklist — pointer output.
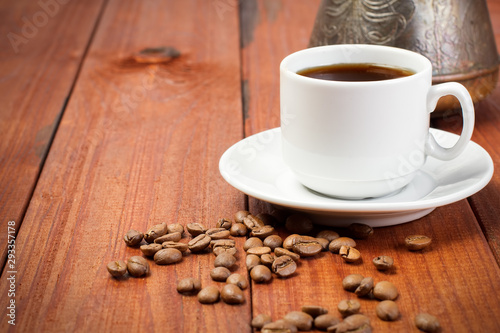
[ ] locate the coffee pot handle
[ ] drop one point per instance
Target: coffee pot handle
(434, 149)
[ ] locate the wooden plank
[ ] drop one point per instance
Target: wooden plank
(41, 50)
(139, 144)
(449, 280)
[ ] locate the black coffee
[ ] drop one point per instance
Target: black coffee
(355, 72)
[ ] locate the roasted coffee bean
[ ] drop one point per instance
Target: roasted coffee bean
(337, 243)
(239, 216)
(299, 319)
(289, 241)
(167, 256)
(364, 287)
(238, 280)
(231, 294)
(262, 232)
(196, 229)
(260, 273)
(278, 252)
(175, 245)
(387, 310)
(149, 250)
(314, 310)
(199, 243)
(351, 282)
(383, 263)
(260, 320)
(267, 259)
(385, 290)
(360, 230)
(223, 246)
(175, 227)
(427, 323)
(348, 307)
(225, 260)
(252, 222)
(220, 274)
(357, 323)
(133, 237)
(219, 250)
(305, 247)
(238, 230)
(324, 243)
(322, 322)
(259, 250)
(173, 237)
(155, 231)
(299, 224)
(284, 266)
(349, 254)
(279, 326)
(138, 266)
(117, 268)
(189, 286)
(327, 234)
(209, 295)
(251, 261)
(273, 241)
(417, 242)
(252, 242)
(217, 233)
(224, 223)
(268, 219)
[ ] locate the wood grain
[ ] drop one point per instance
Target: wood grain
(139, 144)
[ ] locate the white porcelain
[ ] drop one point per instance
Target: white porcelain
(255, 166)
(362, 139)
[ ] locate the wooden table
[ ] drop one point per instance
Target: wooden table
(94, 143)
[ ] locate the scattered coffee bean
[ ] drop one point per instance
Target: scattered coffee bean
(284, 266)
(232, 294)
(349, 254)
(238, 230)
(385, 290)
(239, 216)
(173, 237)
(328, 234)
(279, 326)
(268, 219)
(383, 263)
(357, 323)
(155, 231)
(360, 230)
(417, 242)
(260, 273)
(117, 268)
(314, 310)
(387, 310)
(427, 323)
(137, 266)
(133, 237)
(299, 319)
(260, 320)
(237, 279)
(252, 242)
(175, 227)
(224, 223)
(225, 260)
(289, 241)
(348, 307)
(175, 245)
(251, 261)
(252, 222)
(220, 274)
(337, 243)
(189, 286)
(299, 224)
(262, 232)
(364, 287)
(167, 256)
(306, 247)
(217, 233)
(259, 250)
(278, 252)
(223, 246)
(324, 243)
(195, 229)
(352, 281)
(267, 259)
(199, 243)
(209, 295)
(324, 321)
(273, 241)
(149, 250)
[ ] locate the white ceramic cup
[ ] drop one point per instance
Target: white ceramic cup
(357, 140)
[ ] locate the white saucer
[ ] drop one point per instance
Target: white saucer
(255, 166)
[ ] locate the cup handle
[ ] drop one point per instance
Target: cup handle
(434, 149)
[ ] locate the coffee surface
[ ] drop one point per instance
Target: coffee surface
(355, 72)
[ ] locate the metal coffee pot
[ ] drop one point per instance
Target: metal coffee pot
(456, 36)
